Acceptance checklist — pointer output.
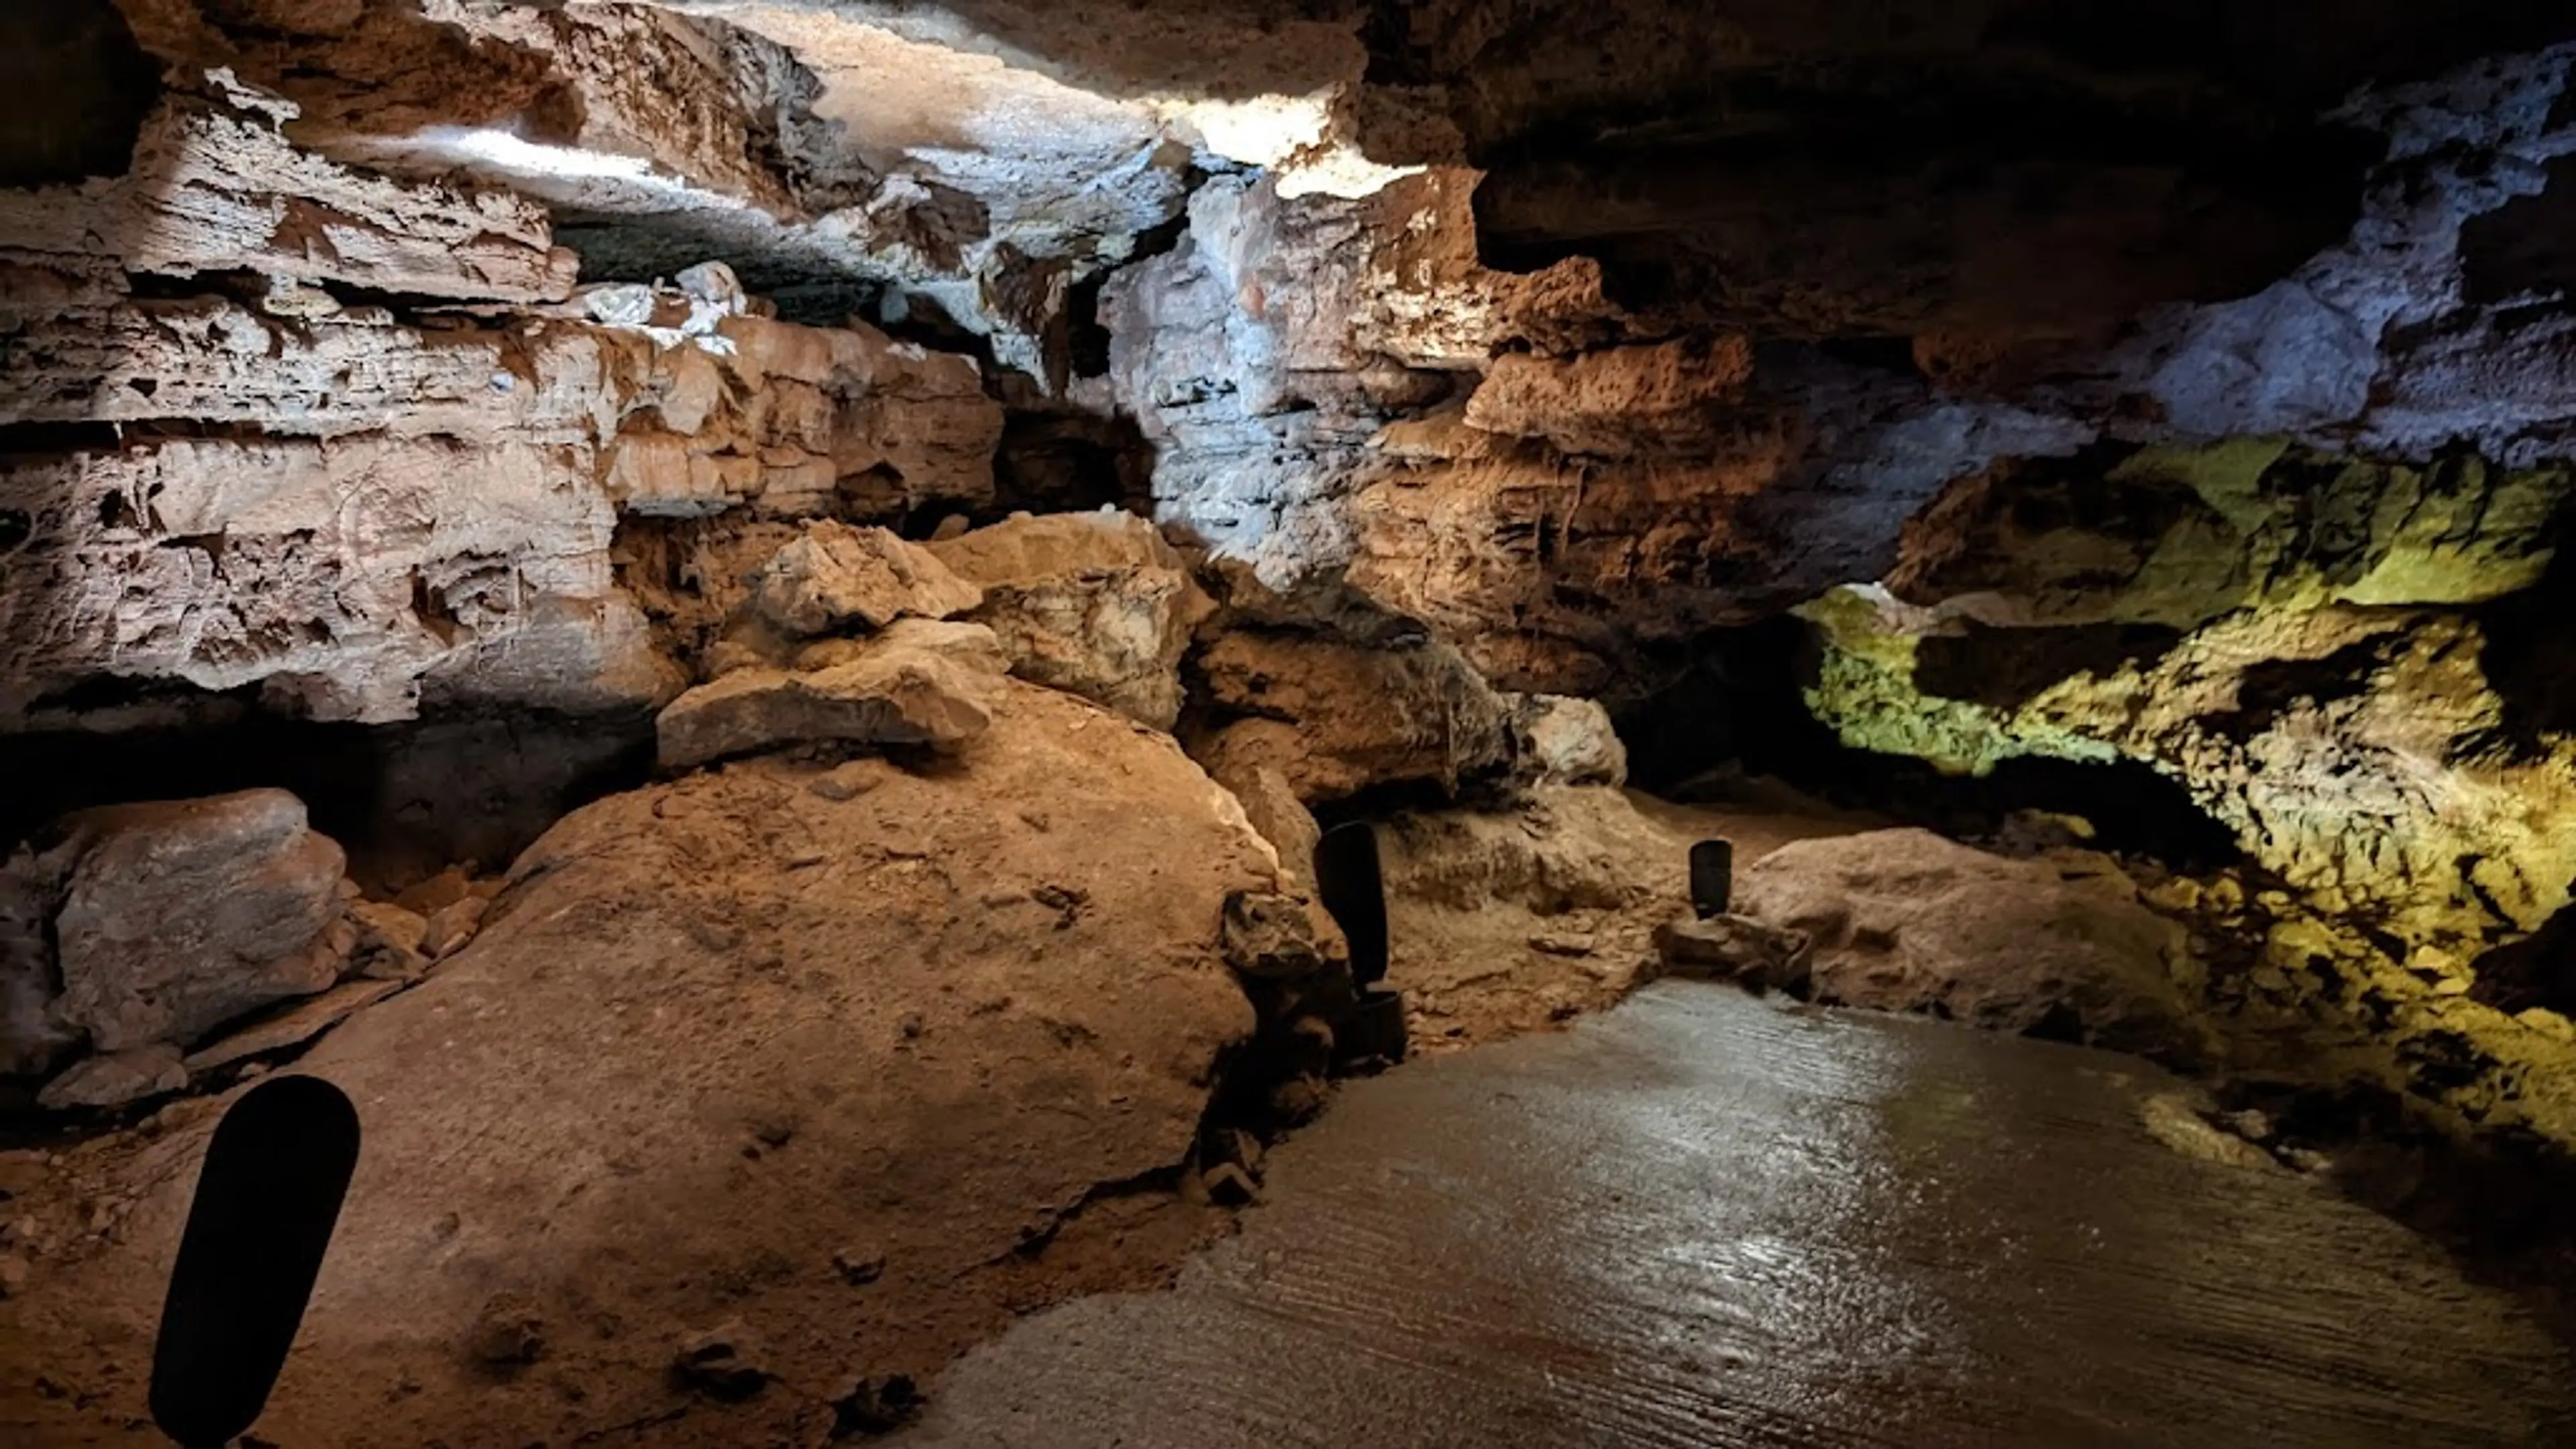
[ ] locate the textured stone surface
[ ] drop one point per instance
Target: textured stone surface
(2348, 748)
(1270, 803)
(2177, 537)
(1517, 917)
(1336, 718)
(1736, 947)
(33, 1033)
(2200, 394)
(115, 1079)
(179, 916)
(391, 941)
(1567, 575)
(1672, 397)
(436, 521)
(347, 577)
(1262, 357)
(215, 187)
(834, 577)
(1094, 603)
(899, 690)
(958, 176)
(2395, 781)
(1607, 490)
(1561, 741)
(291, 1028)
(1904, 920)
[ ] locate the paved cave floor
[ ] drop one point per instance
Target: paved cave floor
(1707, 1219)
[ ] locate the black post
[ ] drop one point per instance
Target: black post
(1352, 889)
(1712, 877)
(1351, 884)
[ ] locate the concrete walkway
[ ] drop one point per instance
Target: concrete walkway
(1706, 1220)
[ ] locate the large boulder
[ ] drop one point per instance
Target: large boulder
(1336, 717)
(719, 1032)
(917, 684)
(834, 577)
(1904, 920)
(1560, 740)
(177, 917)
(1507, 920)
(1094, 603)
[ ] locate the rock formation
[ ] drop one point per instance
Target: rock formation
(356, 507)
(940, 1012)
(910, 687)
(898, 524)
(1097, 604)
(1334, 718)
(157, 923)
(1906, 921)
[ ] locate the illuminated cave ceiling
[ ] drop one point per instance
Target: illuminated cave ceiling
(1922, 238)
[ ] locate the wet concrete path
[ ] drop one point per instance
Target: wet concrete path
(1702, 1219)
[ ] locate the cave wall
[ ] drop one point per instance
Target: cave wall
(296, 441)
(2137, 391)
(2253, 529)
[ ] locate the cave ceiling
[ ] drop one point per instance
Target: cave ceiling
(1990, 170)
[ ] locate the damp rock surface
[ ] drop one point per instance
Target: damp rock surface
(1903, 920)
(1706, 1220)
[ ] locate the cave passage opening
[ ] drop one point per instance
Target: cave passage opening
(1734, 714)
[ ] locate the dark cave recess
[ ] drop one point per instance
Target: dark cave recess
(74, 89)
(1734, 710)
(405, 800)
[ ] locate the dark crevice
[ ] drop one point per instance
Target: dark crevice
(2008, 668)
(1736, 710)
(2275, 687)
(2527, 245)
(2497, 1204)
(1086, 339)
(2537, 971)
(74, 92)
(45, 439)
(250, 290)
(2530, 653)
(1893, 354)
(406, 800)
(1761, 191)
(33, 439)
(1051, 462)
